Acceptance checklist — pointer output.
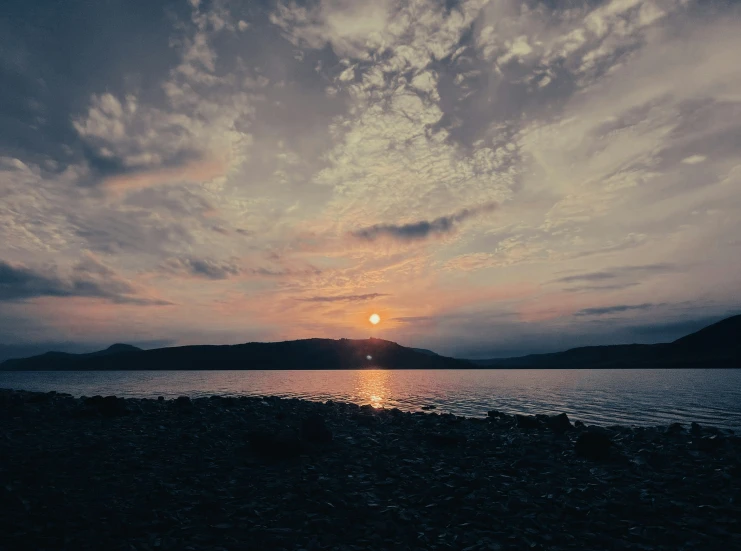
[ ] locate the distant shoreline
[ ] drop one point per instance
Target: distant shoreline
(471, 368)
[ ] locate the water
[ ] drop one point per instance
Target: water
(640, 397)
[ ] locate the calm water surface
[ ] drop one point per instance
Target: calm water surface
(641, 397)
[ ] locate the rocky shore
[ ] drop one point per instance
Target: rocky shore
(276, 474)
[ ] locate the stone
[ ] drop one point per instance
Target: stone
(445, 439)
(527, 422)
(428, 408)
(559, 423)
(593, 445)
(170, 479)
(709, 443)
(39, 398)
(675, 428)
(579, 425)
(695, 429)
(283, 444)
(183, 401)
(494, 414)
(314, 429)
(110, 406)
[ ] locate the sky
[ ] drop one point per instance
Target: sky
(493, 178)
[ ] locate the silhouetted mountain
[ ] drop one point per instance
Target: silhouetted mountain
(714, 346)
(301, 354)
(425, 351)
(65, 360)
(116, 349)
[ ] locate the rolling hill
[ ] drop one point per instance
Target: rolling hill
(717, 345)
(300, 354)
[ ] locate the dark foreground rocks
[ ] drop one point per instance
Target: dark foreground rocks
(265, 473)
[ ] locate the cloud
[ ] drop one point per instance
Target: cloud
(614, 309)
(422, 229)
(89, 278)
(616, 273)
(352, 27)
(598, 288)
(345, 298)
(694, 159)
(195, 135)
(414, 319)
(291, 150)
(203, 267)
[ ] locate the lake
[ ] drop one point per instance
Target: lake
(640, 397)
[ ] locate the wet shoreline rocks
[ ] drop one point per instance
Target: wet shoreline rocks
(267, 473)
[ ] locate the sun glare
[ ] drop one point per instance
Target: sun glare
(374, 319)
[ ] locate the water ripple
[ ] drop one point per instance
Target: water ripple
(640, 397)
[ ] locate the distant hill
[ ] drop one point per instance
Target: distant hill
(301, 354)
(714, 346)
(425, 351)
(65, 360)
(717, 345)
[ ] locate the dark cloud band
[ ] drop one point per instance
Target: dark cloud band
(422, 229)
(21, 283)
(346, 298)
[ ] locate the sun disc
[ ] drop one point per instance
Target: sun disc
(374, 319)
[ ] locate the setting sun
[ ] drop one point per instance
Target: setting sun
(374, 319)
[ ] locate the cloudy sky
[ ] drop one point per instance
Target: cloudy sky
(492, 177)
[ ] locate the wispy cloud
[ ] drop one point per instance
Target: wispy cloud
(203, 267)
(345, 298)
(421, 229)
(614, 309)
(414, 319)
(617, 273)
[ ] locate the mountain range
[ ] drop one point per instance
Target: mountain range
(716, 346)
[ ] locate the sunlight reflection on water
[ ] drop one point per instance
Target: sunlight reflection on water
(643, 397)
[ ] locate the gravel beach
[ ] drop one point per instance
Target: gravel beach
(276, 474)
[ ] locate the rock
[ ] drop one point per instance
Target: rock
(559, 423)
(110, 406)
(593, 445)
(494, 414)
(527, 422)
(368, 419)
(428, 408)
(160, 398)
(38, 398)
(284, 444)
(183, 401)
(709, 443)
(675, 428)
(579, 425)
(314, 429)
(445, 439)
(172, 479)
(695, 429)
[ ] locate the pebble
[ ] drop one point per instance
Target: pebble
(263, 474)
